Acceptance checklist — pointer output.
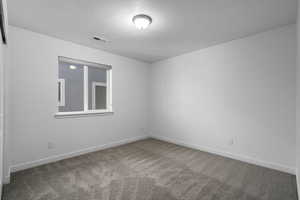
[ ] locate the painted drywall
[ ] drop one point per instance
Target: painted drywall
(32, 84)
(236, 99)
(2, 95)
(298, 103)
(1, 111)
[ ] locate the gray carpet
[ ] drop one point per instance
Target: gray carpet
(150, 170)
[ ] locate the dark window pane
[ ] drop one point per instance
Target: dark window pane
(73, 76)
(59, 92)
(97, 85)
(100, 97)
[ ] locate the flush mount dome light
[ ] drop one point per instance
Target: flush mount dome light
(141, 21)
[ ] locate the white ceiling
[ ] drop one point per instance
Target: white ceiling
(179, 26)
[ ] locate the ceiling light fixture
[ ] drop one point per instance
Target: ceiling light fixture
(141, 21)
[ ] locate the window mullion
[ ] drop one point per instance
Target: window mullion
(108, 90)
(86, 88)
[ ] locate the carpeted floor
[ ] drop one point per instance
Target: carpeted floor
(150, 170)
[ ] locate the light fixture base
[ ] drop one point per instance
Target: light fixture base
(142, 21)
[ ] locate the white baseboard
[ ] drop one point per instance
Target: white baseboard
(243, 158)
(56, 158)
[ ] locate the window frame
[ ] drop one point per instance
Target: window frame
(86, 110)
(62, 92)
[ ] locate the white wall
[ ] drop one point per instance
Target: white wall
(2, 92)
(32, 100)
(243, 90)
(298, 102)
(1, 111)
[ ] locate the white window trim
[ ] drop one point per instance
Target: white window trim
(85, 88)
(61, 102)
(83, 113)
(109, 89)
(86, 111)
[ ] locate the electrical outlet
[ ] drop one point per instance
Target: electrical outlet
(50, 145)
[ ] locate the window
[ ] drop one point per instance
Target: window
(83, 87)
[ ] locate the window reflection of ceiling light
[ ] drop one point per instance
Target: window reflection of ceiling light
(141, 21)
(73, 67)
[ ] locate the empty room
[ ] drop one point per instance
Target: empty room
(149, 100)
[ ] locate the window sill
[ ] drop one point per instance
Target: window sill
(82, 114)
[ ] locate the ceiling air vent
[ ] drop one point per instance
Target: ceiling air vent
(100, 39)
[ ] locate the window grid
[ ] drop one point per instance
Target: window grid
(86, 109)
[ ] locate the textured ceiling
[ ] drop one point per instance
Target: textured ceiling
(179, 26)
